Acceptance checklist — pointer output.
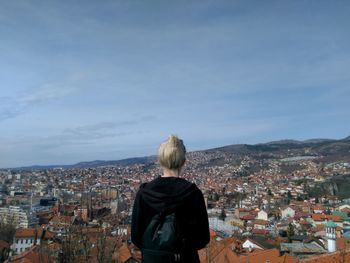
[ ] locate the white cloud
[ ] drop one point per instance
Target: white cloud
(11, 107)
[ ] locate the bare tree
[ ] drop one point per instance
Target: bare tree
(7, 228)
(69, 246)
(105, 247)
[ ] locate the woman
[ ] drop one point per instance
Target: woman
(172, 200)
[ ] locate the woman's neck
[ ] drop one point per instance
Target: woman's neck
(170, 173)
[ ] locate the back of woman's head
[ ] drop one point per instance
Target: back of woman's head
(172, 153)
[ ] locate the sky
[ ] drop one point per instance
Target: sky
(107, 80)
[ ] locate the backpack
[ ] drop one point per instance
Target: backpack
(162, 240)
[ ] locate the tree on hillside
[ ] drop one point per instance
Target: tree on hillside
(106, 245)
(7, 229)
(222, 215)
(269, 192)
(290, 232)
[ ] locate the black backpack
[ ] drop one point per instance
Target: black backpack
(162, 240)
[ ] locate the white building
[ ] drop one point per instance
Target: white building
(251, 244)
(25, 238)
(331, 236)
(14, 214)
(262, 215)
(288, 212)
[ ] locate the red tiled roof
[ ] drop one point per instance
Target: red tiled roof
(123, 254)
(261, 222)
(323, 217)
(336, 257)
(212, 233)
(271, 255)
(260, 231)
(32, 255)
(219, 251)
(28, 232)
(345, 209)
(343, 243)
(247, 217)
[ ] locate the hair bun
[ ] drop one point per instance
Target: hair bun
(173, 139)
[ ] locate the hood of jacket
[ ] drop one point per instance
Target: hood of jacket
(164, 201)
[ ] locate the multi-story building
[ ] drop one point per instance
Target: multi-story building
(14, 214)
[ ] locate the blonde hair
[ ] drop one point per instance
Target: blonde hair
(172, 153)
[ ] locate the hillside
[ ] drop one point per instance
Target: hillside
(326, 150)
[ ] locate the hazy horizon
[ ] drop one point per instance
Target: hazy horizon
(86, 80)
(154, 154)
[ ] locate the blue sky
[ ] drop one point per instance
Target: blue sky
(86, 80)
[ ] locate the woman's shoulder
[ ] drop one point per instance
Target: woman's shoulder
(171, 186)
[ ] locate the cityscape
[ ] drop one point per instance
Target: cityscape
(257, 92)
(284, 201)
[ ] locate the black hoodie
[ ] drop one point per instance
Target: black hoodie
(168, 193)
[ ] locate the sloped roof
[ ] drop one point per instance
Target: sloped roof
(346, 210)
(322, 217)
(212, 232)
(32, 255)
(340, 213)
(219, 251)
(254, 242)
(343, 243)
(335, 257)
(302, 248)
(260, 231)
(272, 255)
(123, 254)
(28, 232)
(261, 222)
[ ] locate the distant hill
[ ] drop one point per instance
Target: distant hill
(123, 162)
(329, 149)
(91, 164)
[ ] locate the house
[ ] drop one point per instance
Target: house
(287, 212)
(323, 218)
(262, 215)
(302, 249)
(241, 212)
(251, 244)
(341, 255)
(344, 208)
(261, 224)
(32, 255)
(25, 238)
(59, 223)
(319, 209)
